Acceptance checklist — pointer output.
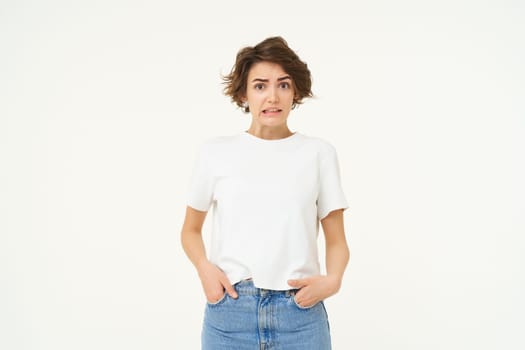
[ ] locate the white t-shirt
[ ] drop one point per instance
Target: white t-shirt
(268, 197)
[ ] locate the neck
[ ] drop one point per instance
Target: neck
(270, 133)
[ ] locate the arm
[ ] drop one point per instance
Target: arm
(316, 288)
(337, 252)
(213, 280)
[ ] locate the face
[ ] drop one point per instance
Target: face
(269, 93)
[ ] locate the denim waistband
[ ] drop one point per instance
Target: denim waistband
(246, 287)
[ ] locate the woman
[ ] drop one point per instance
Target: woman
(269, 188)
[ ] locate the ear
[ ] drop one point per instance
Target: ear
(244, 104)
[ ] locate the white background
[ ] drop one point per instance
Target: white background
(104, 103)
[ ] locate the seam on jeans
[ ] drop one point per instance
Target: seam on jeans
(218, 301)
(302, 307)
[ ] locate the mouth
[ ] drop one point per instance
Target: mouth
(271, 111)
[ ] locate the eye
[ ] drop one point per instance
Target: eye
(284, 85)
(258, 86)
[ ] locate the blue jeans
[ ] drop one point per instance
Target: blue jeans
(262, 319)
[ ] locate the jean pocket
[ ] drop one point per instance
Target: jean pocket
(303, 307)
(218, 301)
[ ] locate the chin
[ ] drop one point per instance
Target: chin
(272, 120)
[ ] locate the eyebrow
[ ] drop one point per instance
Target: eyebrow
(267, 80)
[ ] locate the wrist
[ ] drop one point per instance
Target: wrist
(201, 264)
(335, 281)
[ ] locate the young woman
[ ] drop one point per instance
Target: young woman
(269, 188)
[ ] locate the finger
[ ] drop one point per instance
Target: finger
(215, 296)
(293, 283)
(300, 295)
(297, 283)
(305, 301)
(229, 288)
(300, 300)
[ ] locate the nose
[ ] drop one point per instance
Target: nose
(273, 96)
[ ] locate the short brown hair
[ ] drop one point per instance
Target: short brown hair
(275, 50)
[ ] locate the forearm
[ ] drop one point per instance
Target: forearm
(337, 257)
(193, 246)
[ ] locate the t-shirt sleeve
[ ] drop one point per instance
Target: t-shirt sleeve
(331, 195)
(200, 191)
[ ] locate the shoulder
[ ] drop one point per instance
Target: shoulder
(323, 146)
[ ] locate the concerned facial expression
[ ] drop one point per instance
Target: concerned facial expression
(269, 93)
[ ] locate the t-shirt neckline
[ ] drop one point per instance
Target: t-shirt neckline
(272, 141)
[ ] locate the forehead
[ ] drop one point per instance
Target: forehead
(266, 70)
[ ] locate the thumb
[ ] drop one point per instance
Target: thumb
(229, 288)
(297, 283)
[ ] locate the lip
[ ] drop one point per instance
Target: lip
(274, 111)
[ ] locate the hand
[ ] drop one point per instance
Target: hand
(214, 282)
(314, 289)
